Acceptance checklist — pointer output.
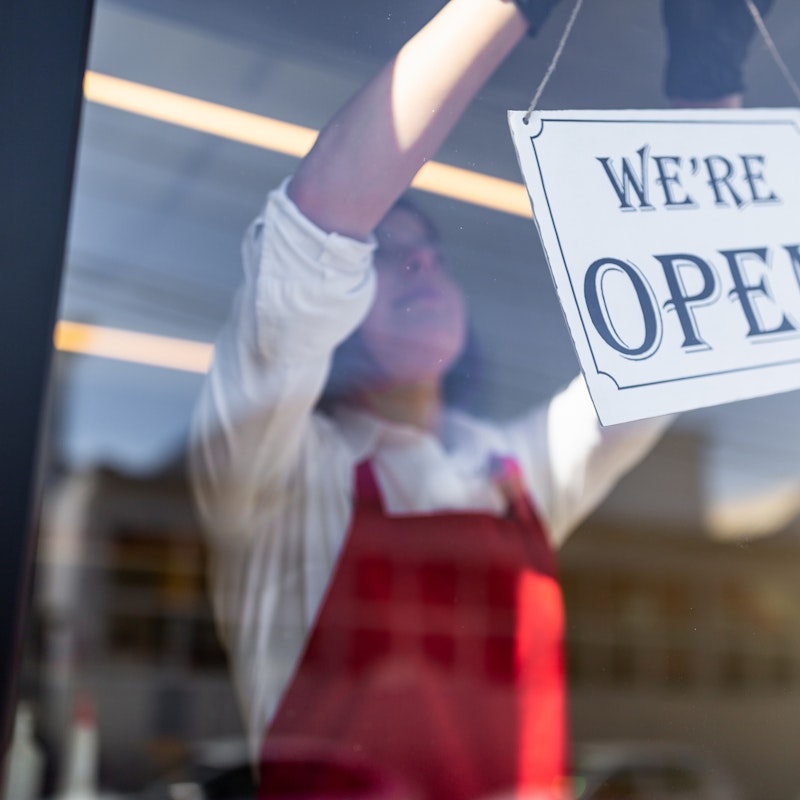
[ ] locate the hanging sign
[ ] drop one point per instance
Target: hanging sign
(673, 238)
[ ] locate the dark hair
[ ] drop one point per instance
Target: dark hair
(352, 365)
(406, 203)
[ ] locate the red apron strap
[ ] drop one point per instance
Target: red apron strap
(435, 666)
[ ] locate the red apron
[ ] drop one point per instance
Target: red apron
(435, 668)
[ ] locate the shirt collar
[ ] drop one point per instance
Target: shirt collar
(415, 472)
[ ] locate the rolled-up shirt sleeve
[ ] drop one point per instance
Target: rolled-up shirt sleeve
(571, 462)
(304, 291)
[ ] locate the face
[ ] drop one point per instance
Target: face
(416, 327)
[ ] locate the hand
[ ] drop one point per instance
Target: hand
(707, 42)
(536, 12)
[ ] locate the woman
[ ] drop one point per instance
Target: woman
(383, 573)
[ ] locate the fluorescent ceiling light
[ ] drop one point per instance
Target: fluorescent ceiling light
(139, 348)
(293, 140)
(259, 131)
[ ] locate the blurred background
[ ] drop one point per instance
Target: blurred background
(682, 592)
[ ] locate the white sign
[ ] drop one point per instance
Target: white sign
(673, 238)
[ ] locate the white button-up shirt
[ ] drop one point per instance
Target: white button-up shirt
(273, 479)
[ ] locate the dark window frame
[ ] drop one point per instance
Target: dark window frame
(43, 50)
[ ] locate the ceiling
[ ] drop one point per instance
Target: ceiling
(159, 210)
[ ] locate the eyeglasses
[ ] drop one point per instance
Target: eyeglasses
(410, 256)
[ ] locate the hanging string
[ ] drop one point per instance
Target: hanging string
(771, 47)
(754, 12)
(554, 61)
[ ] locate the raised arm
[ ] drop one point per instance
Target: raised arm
(367, 155)
(307, 283)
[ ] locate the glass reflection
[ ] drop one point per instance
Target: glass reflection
(671, 635)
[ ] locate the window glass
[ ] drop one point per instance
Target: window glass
(355, 550)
